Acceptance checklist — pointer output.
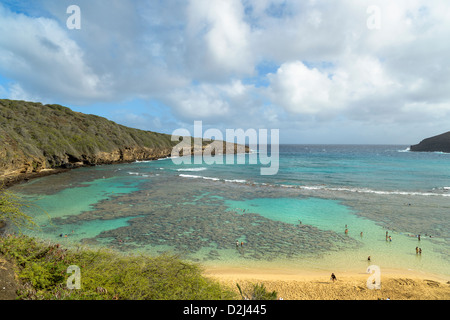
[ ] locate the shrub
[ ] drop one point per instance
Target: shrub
(106, 274)
(257, 292)
(11, 210)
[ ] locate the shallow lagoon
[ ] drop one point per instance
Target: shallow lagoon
(199, 212)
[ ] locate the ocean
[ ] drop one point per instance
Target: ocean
(327, 208)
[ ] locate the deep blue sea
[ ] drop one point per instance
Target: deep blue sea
(328, 207)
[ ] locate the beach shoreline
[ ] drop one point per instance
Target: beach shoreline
(350, 285)
(9, 180)
(270, 273)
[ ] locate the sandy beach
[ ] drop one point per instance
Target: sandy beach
(314, 285)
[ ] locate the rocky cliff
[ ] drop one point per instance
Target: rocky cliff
(439, 143)
(37, 139)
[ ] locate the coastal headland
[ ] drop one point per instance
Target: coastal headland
(38, 140)
(439, 143)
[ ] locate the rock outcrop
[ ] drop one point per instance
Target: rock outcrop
(439, 143)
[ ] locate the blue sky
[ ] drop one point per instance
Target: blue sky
(319, 71)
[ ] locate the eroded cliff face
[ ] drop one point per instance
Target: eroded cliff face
(36, 139)
(15, 161)
(25, 167)
(126, 154)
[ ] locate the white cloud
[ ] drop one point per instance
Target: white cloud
(201, 59)
(38, 53)
(211, 101)
(301, 90)
(218, 39)
(331, 92)
(199, 103)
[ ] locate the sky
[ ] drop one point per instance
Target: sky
(319, 71)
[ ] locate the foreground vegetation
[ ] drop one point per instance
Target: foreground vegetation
(45, 269)
(11, 210)
(42, 269)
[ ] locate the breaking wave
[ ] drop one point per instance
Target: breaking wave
(211, 178)
(405, 150)
(192, 169)
(442, 191)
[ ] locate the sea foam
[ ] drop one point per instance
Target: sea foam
(192, 169)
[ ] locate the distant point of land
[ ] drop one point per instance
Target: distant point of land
(439, 143)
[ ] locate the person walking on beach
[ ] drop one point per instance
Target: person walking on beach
(417, 250)
(333, 277)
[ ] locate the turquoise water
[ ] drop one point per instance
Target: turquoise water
(294, 219)
(322, 213)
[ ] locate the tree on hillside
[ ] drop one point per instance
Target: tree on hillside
(11, 210)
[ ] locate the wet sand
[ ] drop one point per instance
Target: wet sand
(317, 285)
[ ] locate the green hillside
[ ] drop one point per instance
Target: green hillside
(36, 137)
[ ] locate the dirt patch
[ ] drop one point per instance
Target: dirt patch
(9, 283)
